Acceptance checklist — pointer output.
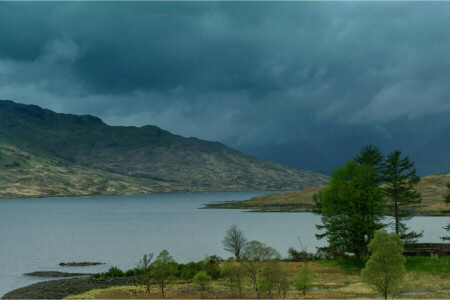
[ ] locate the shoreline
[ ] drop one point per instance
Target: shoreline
(60, 288)
(299, 208)
(139, 194)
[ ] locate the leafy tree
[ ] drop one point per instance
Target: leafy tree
(234, 241)
(163, 269)
(233, 272)
(144, 265)
(304, 280)
(255, 254)
(400, 177)
(385, 268)
(447, 201)
(202, 280)
(276, 277)
(351, 208)
(211, 266)
(265, 286)
(371, 156)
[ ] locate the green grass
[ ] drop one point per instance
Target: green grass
(428, 265)
(349, 264)
(413, 264)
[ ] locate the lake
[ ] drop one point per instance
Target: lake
(38, 234)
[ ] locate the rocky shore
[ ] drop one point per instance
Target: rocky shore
(58, 289)
(55, 274)
(81, 264)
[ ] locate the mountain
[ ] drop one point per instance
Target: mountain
(296, 154)
(43, 153)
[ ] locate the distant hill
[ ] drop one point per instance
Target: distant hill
(43, 153)
(431, 187)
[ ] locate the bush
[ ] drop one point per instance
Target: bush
(113, 272)
(302, 256)
(188, 271)
(202, 280)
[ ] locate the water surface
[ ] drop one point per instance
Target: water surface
(38, 234)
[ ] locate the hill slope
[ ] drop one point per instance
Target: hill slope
(92, 157)
(431, 187)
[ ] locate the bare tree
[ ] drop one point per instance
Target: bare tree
(234, 241)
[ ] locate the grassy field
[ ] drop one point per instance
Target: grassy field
(334, 279)
(431, 187)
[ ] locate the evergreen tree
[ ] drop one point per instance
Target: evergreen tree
(385, 268)
(372, 157)
(400, 177)
(351, 208)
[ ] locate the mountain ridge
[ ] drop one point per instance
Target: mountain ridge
(148, 158)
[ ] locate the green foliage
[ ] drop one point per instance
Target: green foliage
(349, 264)
(255, 254)
(259, 252)
(234, 241)
(371, 156)
(351, 208)
(210, 265)
(385, 268)
(188, 271)
(265, 286)
(276, 277)
(202, 280)
(164, 269)
(400, 177)
(111, 273)
(294, 255)
(304, 280)
(144, 267)
(234, 273)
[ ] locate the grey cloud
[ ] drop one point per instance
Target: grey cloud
(241, 73)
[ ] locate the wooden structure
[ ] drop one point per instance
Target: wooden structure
(427, 249)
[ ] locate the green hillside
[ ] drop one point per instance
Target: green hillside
(44, 153)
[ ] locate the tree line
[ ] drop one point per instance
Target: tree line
(352, 209)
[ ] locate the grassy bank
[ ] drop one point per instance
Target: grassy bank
(431, 187)
(334, 279)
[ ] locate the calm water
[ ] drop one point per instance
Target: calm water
(38, 234)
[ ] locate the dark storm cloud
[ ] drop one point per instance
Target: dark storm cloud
(242, 73)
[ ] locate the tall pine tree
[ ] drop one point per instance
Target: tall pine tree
(351, 208)
(400, 177)
(372, 157)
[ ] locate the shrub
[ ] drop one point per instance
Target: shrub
(202, 280)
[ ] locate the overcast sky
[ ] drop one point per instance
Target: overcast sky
(241, 73)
